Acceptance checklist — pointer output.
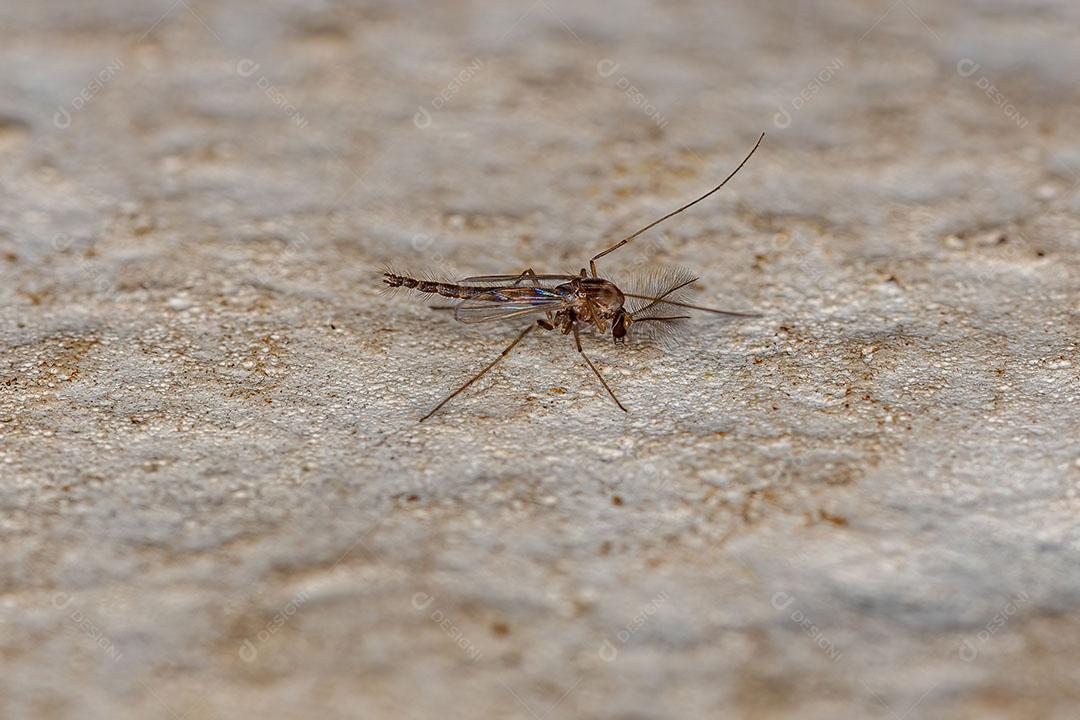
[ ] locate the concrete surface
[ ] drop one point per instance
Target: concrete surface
(215, 499)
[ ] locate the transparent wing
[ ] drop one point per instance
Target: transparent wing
(506, 303)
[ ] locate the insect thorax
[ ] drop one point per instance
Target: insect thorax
(603, 295)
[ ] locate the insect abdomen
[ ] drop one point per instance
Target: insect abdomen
(435, 288)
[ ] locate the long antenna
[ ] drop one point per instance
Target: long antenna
(730, 313)
(616, 246)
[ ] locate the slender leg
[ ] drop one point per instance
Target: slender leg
(577, 341)
(528, 273)
(531, 274)
(480, 374)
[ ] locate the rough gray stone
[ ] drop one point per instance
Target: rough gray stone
(217, 502)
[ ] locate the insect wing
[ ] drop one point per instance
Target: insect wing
(519, 277)
(506, 303)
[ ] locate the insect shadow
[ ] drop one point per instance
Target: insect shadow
(569, 301)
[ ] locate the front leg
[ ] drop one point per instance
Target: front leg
(577, 343)
(568, 322)
(478, 375)
(531, 274)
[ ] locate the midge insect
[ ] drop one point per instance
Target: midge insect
(568, 301)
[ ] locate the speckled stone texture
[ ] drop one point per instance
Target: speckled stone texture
(216, 500)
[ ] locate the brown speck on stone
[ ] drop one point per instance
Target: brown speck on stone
(834, 519)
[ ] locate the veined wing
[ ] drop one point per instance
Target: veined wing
(508, 302)
(511, 278)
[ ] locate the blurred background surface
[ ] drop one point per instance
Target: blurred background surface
(217, 502)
